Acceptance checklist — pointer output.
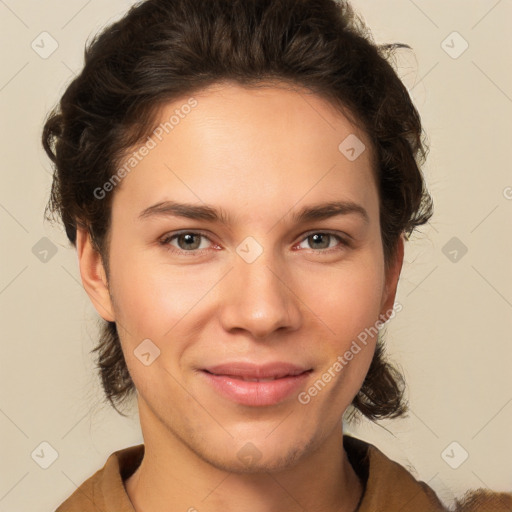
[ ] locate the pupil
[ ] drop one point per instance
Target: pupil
(316, 237)
(188, 237)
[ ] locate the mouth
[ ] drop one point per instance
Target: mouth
(247, 379)
(253, 385)
(246, 370)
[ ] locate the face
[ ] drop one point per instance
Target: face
(257, 279)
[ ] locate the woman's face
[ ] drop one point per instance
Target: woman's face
(262, 282)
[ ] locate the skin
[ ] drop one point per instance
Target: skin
(259, 155)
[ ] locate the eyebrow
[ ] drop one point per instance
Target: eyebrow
(209, 213)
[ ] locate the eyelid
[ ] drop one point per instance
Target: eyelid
(339, 234)
(344, 238)
(165, 240)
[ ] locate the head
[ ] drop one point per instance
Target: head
(255, 111)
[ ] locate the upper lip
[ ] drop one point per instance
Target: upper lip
(247, 370)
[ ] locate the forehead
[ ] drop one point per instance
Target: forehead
(252, 143)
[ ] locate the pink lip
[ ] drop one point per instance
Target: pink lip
(228, 380)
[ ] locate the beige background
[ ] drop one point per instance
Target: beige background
(453, 337)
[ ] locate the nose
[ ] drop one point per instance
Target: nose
(259, 298)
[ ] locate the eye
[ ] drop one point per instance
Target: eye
(191, 242)
(187, 241)
(322, 240)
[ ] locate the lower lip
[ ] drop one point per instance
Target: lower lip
(257, 393)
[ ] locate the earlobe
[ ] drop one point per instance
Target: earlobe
(93, 275)
(392, 276)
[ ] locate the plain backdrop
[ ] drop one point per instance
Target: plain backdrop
(452, 339)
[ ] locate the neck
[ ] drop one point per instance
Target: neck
(173, 476)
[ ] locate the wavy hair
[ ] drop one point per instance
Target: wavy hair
(162, 50)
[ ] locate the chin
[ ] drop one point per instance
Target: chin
(260, 455)
(250, 460)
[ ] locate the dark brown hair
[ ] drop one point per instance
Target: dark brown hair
(162, 50)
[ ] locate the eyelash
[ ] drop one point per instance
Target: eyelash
(165, 242)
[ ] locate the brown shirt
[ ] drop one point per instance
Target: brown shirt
(389, 487)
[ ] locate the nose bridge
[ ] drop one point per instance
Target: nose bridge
(257, 298)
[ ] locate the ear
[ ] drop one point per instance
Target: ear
(392, 275)
(93, 275)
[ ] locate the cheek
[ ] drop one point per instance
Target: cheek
(348, 299)
(151, 303)
(162, 303)
(151, 297)
(350, 308)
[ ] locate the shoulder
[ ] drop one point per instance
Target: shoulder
(105, 490)
(389, 486)
(86, 497)
(482, 500)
